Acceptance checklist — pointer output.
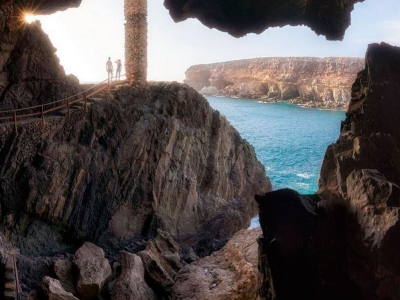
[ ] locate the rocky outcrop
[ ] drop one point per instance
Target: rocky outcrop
(308, 81)
(55, 291)
(109, 177)
(362, 170)
(330, 18)
(63, 269)
(287, 266)
(30, 72)
(94, 270)
(230, 273)
(162, 260)
(354, 248)
(131, 285)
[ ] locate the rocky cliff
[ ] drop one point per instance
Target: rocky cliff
(353, 247)
(152, 157)
(158, 157)
(308, 81)
(30, 72)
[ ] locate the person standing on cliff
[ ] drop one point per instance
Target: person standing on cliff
(110, 69)
(119, 67)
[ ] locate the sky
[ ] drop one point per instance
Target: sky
(86, 36)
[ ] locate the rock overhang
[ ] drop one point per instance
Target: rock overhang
(238, 18)
(40, 7)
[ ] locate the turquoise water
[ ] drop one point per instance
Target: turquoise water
(289, 140)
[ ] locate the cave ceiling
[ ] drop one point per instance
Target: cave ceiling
(330, 18)
(46, 6)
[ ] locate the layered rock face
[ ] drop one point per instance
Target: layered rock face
(362, 168)
(329, 18)
(354, 249)
(30, 72)
(158, 157)
(309, 81)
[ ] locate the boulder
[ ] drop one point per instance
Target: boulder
(131, 285)
(94, 270)
(55, 291)
(230, 273)
(288, 220)
(162, 260)
(64, 272)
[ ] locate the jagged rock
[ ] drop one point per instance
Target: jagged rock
(30, 72)
(64, 272)
(355, 247)
(55, 291)
(287, 220)
(130, 285)
(110, 176)
(162, 260)
(230, 273)
(94, 270)
(307, 81)
(49, 6)
(330, 18)
(375, 202)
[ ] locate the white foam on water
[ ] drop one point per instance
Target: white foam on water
(304, 175)
(254, 223)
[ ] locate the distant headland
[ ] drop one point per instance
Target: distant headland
(306, 81)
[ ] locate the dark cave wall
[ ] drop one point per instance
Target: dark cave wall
(326, 17)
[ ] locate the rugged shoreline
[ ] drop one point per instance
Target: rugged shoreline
(308, 81)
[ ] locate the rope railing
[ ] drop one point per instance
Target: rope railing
(41, 110)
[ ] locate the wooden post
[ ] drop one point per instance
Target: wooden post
(15, 122)
(67, 108)
(18, 287)
(42, 115)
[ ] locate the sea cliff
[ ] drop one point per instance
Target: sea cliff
(307, 81)
(343, 241)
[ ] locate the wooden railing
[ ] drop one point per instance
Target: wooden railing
(39, 111)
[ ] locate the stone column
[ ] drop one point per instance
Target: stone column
(136, 40)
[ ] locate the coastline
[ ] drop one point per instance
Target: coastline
(297, 101)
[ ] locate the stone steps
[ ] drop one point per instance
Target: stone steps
(10, 285)
(10, 295)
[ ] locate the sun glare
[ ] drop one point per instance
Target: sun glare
(29, 18)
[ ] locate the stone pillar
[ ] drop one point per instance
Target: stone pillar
(136, 40)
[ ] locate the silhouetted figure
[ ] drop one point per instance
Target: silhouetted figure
(110, 69)
(119, 67)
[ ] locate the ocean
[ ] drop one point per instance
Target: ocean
(289, 140)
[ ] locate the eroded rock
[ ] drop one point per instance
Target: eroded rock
(162, 259)
(63, 269)
(307, 81)
(109, 176)
(131, 285)
(55, 291)
(355, 248)
(30, 72)
(94, 270)
(230, 273)
(288, 268)
(330, 18)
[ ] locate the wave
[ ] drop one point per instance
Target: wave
(304, 175)
(254, 223)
